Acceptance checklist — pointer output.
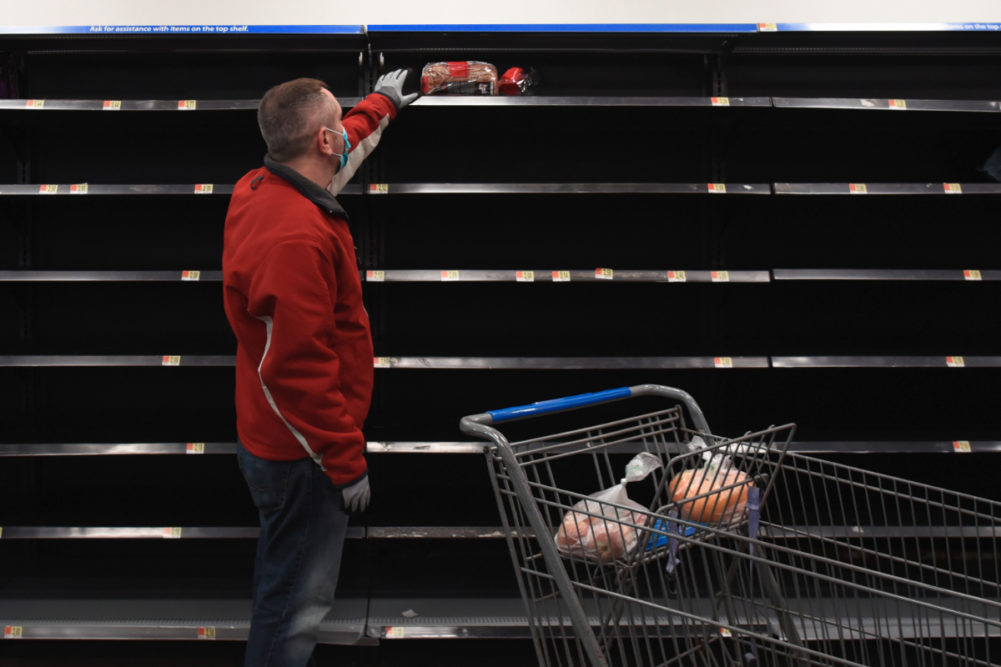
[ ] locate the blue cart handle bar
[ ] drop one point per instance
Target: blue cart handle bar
(559, 404)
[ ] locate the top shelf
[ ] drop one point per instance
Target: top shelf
(637, 101)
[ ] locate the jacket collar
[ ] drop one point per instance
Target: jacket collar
(306, 187)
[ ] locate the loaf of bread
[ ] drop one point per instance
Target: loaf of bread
(464, 77)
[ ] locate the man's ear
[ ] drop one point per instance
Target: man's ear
(324, 141)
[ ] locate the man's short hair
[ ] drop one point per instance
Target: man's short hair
(288, 115)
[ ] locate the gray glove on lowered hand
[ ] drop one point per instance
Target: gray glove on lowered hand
(390, 84)
(357, 495)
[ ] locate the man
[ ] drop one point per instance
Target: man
(304, 372)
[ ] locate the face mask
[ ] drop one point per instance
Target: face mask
(347, 147)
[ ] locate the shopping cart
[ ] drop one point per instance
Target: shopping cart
(822, 564)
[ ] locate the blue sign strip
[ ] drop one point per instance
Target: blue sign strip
(202, 29)
(567, 27)
(887, 27)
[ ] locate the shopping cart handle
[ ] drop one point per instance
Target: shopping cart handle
(559, 404)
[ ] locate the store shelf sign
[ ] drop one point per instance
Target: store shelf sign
(561, 276)
(972, 274)
(961, 446)
(195, 448)
(604, 274)
(524, 276)
(112, 105)
(955, 362)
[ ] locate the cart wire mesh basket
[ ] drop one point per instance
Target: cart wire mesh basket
(731, 551)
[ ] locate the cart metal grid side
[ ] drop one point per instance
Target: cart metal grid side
(838, 566)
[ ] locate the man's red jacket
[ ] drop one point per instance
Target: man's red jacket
(292, 294)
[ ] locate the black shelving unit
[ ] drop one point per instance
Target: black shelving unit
(632, 220)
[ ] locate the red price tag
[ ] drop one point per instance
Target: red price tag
(677, 277)
(48, 189)
(203, 188)
(952, 188)
(206, 633)
(561, 276)
(171, 360)
(378, 188)
(955, 362)
(972, 274)
(375, 276)
(187, 105)
(195, 448)
(961, 446)
(524, 276)
(78, 189)
(112, 105)
(723, 362)
(858, 188)
(604, 274)
(717, 188)
(720, 276)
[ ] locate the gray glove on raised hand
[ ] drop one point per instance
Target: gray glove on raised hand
(390, 84)
(357, 495)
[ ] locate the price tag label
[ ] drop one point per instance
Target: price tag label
(375, 276)
(112, 105)
(396, 632)
(449, 276)
(187, 105)
(725, 632)
(48, 189)
(561, 276)
(383, 362)
(677, 277)
(34, 104)
(858, 188)
(604, 274)
(972, 274)
(955, 362)
(191, 275)
(525, 276)
(898, 104)
(1, 532)
(206, 633)
(717, 188)
(378, 188)
(952, 188)
(768, 27)
(723, 362)
(78, 189)
(172, 533)
(720, 276)
(195, 448)
(203, 188)
(171, 360)
(961, 446)
(720, 101)
(13, 631)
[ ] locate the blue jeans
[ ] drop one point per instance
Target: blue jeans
(303, 524)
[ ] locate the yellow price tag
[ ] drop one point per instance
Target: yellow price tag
(717, 188)
(203, 188)
(378, 188)
(858, 188)
(720, 276)
(952, 188)
(187, 105)
(48, 189)
(191, 275)
(723, 362)
(195, 448)
(561, 276)
(725, 632)
(396, 632)
(604, 274)
(13, 631)
(768, 27)
(961, 447)
(677, 277)
(972, 274)
(524, 276)
(375, 276)
(112, 105)
(172, 533)
(721, 101)
(898, 104)
(171, 360)
(78, 189)
(34, 104)
(955, 362)
(206, 633)
(383, 362)
(449, 276)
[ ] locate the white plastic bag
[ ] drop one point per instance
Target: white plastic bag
(597, 530)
